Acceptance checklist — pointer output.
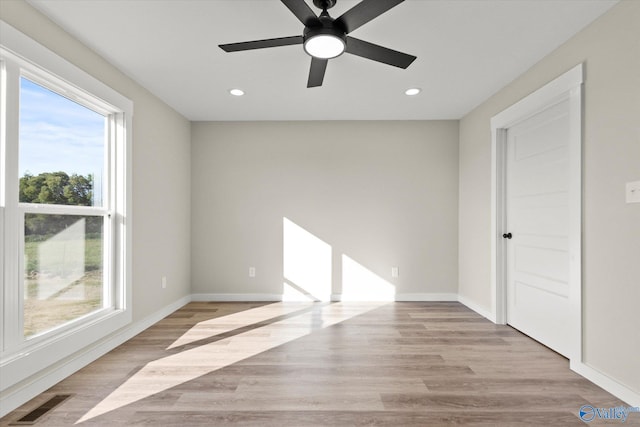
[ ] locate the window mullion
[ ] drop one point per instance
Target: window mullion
(123, 202)
(12, 229)
(110, 291)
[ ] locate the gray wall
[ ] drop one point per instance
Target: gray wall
(161, 161)
(382, 193)
(610, 49)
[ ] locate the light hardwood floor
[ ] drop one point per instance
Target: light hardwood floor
(326, 364)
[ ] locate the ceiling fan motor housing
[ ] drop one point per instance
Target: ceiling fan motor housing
(310, 32)
(325, 25)
(324, 4)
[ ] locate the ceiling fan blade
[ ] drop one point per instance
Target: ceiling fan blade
(261, 44)
(302, 11)
(316, 73)
(364, 12)
(378, 53)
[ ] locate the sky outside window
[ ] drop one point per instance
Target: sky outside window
(57, 134)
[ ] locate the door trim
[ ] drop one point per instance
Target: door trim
(566, 87)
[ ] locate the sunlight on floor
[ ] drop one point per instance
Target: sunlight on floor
(220, 325)
(165, 373)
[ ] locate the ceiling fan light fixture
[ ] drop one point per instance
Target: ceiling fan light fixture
(325, 43)
(324, 46)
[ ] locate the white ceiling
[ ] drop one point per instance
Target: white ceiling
(467, 50)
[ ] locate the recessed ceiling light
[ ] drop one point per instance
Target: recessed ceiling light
(413, 91)
(236, 92)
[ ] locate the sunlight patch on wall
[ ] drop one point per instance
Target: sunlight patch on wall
(306, 264)
(293, 293)
(361, 284)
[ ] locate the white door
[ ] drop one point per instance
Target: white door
(537, 208)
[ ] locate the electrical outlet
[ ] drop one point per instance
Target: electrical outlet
(164, 282)
(252, 272)
(633, 192)
(395, 272)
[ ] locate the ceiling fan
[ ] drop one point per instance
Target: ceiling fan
(325, 37)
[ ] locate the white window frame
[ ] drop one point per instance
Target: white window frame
(21, 359)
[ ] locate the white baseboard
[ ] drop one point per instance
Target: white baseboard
(334, 297)
(477, 308)
(236, 297)
(16, 396)
(621, 391)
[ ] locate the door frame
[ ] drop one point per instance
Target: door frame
(568, 86)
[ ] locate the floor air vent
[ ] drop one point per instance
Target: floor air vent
(33, 416)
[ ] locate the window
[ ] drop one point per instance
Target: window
(61, 160)
(64, 208)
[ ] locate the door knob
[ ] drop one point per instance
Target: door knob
(507, 235)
